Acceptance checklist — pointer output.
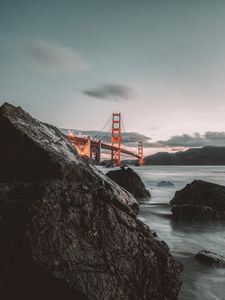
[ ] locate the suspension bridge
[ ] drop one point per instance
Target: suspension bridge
(92, 147)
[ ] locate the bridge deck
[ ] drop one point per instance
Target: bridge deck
(83, 140)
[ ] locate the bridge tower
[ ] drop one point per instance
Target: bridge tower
(140, 154)
(95, 153)
(116, 139)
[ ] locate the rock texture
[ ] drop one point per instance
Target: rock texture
(167, 184)
(66, 231)
(128, 179)
(211, 258)
(199, 201)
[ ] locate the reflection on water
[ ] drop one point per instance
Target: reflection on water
(186, 239)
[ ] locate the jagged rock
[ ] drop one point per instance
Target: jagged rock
(165, 184)
(66, 231)
(199, 201)
(211, 258)
(128, 179)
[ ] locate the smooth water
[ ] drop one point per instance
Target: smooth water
(185, 239)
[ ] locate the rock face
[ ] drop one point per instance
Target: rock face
(128, 179)
(211, 258)
(66, 231)
(199, 201)
(167, 184)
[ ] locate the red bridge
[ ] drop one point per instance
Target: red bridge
(91, 147)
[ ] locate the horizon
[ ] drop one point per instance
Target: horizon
(149, 147)
(161, 65)
(112, 149)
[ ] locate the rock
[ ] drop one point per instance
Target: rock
(211, 258)
(27, 146)
(199, 201)
(189, 212)
(165, 184)
(128, 179)
(66, 231)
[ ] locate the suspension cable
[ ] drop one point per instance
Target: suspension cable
(106, 134)
(128, 140)
(110, 118)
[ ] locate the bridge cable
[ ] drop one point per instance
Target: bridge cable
(102, 128)
(128, 140)
(106, 134)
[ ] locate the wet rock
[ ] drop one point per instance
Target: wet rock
(199, 201)
(189, 212)
(66, 231)
(128, 179)
(211, 258)
(167, 184)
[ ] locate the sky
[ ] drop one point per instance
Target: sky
(160, 63)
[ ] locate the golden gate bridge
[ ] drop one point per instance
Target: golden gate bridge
(91, 147)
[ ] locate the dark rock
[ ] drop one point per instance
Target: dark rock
(211, 258)
(66, 231)
(165, 184)
(128, 179)
(199, 201)
(32, 150)
(188, 212)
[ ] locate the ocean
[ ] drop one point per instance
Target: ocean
(200, 282)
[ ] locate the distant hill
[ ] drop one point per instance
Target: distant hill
(208, 155)
(129, 138)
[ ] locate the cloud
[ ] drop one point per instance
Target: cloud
(114, 92)
(209, 138)
(54, 58)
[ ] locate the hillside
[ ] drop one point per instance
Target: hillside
(208, 155)
(129, 138)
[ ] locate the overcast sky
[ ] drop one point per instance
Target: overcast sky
(160, 63)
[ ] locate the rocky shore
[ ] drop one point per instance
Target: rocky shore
(199, 201)
(128, 179)
(66, 230)
(210, 258)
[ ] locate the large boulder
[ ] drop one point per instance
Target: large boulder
(66, 230)
(128, 179)
(210, 258)
(199, 201)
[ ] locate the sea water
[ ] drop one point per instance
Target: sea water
(185, 239)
